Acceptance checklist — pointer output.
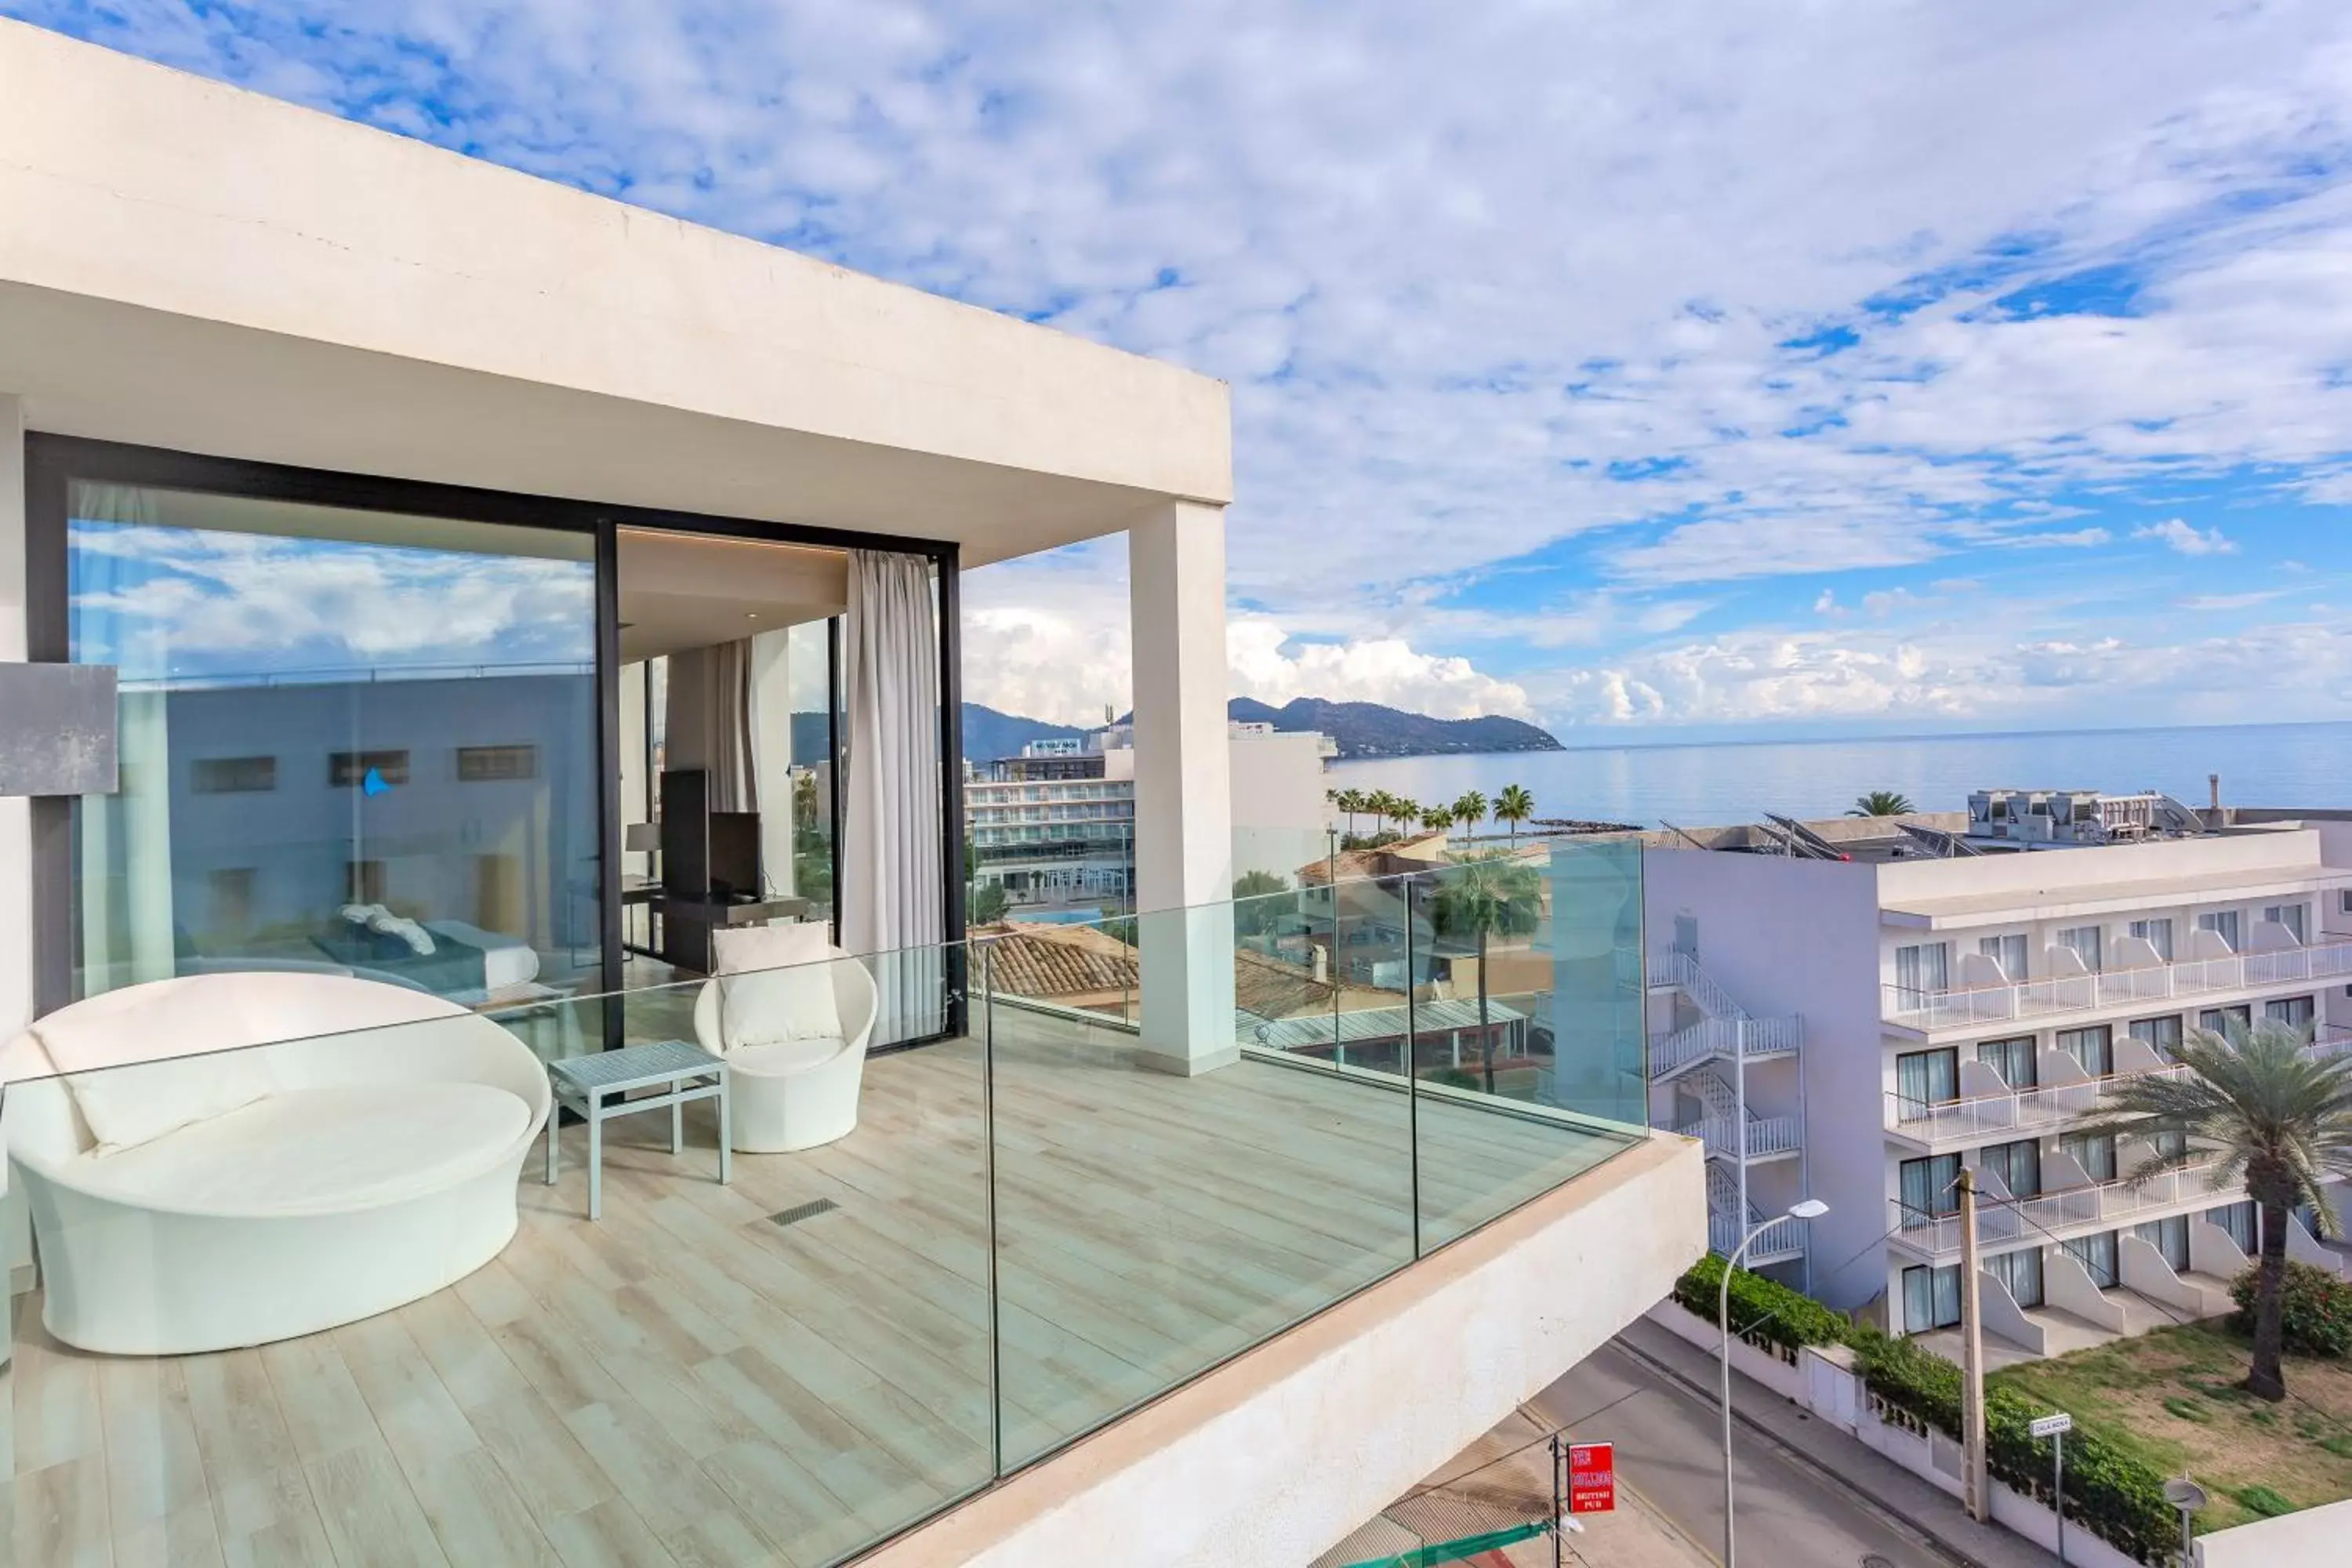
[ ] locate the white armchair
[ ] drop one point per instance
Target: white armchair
(187, 1202)
(790, 1015)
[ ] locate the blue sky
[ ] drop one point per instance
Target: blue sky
(1649, 370)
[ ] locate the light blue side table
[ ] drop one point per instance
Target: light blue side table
(587, 1083)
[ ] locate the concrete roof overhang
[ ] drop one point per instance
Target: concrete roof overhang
(191, 266)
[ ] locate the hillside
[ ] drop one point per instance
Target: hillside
(1369, 730)
(989, 734)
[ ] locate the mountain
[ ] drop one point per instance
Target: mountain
(1369, 730)
(989, 734)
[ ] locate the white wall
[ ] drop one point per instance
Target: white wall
(210, 261)
(1279, 812)
(1785, 936)
(2315, 1535)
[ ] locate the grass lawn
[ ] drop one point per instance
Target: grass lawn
(2169, 1398)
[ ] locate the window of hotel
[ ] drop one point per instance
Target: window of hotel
(2290, 916)
(2223, 923)
(233, 776)
(2093, 1048)
(2013, 1060)
(490, 764)
(349, 770)
(2169, 1236)
(2009, 952)
(1930, 1187)
(2219, 1019)
(1924, 966)
(2163, 1035)
(1927, 1078)
(2158, 934)
(365, 670)
(2170, 1143)
(2296, 1011)
(2019, 1274)
(2096, 1254)
(2095, 1153)
(2238, 1220)
(1931, 1298)
(2085, 943)
(2018, 1164)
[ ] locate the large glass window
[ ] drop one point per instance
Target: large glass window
(2221, 1020)
(2096, 1254)
(1931, 1299)
(2087, 944)
(2296, 1012)
(1923, 1078)
(2019, 1274)
(2093, 1048)
(2009, 952)
(2158, 934)
(2094, 1152)
(2169, 1236)
(350, 741)
(2162, 1033)
(1929, 1188)
(2013, 1060)
(2222, 923)
(2018, 1164)
(1924, 967)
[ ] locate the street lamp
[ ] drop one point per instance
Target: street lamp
(1810, 1209)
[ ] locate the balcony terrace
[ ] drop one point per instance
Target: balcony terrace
(2064, 1214)
(2207, 979)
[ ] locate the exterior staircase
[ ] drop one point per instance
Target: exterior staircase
(1781, 1240)
(1724, 1031)
(1718, 1126)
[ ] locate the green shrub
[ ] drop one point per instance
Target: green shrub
(1761, 1309)
(2261, 1500)
(2115, 1495)
(2315, 1308)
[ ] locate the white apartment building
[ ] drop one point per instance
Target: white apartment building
(1055, 825)
(1887, 1008)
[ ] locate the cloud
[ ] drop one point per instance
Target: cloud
(1269, 666)
(1661, 299)
(2179, 535)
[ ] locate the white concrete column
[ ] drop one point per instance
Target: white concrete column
(1183, 786)
(15, 835)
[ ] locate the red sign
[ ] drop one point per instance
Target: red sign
(1591, 1478)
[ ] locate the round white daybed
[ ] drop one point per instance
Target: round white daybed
(193, 1202)
(790, 1015)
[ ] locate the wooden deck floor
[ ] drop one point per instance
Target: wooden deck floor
(692, 1383)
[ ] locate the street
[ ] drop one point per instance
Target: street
(1669, 1442)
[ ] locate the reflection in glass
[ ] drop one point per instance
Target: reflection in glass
(350, 741)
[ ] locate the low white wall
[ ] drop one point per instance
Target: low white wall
(2023, 1516)
(2004, 1317)
(1762, 1365)
(2314, 1536)
(2301, 1248)
(2144, 1269)
(2066, 1284)
(2212, 1250)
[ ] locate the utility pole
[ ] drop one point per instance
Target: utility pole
(1974, 1479)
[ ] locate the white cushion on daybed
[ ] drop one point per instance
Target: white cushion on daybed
(315, 1151)
(126, 1105)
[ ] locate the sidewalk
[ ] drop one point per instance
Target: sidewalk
(1884, 1484)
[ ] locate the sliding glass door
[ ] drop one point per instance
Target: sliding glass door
(351, 741)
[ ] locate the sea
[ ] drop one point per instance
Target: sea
(1700, 786)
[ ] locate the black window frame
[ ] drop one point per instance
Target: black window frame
(53, 462)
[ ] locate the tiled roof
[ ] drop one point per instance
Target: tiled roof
(1044, 961)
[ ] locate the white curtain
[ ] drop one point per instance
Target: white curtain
(891, 896)
(708, 722)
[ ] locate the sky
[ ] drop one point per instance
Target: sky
(1651, 370)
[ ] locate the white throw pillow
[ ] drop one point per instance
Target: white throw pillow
(776, 983)
(136, 1060)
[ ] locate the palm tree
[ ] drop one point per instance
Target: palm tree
(1349, 801)
(1482, 896)
(1470, 808)
(2272, 1117)
(1514, 805)
(1397, 808)
(1436, 818)
(1881, 803)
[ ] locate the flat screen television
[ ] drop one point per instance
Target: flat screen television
(735, 856)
